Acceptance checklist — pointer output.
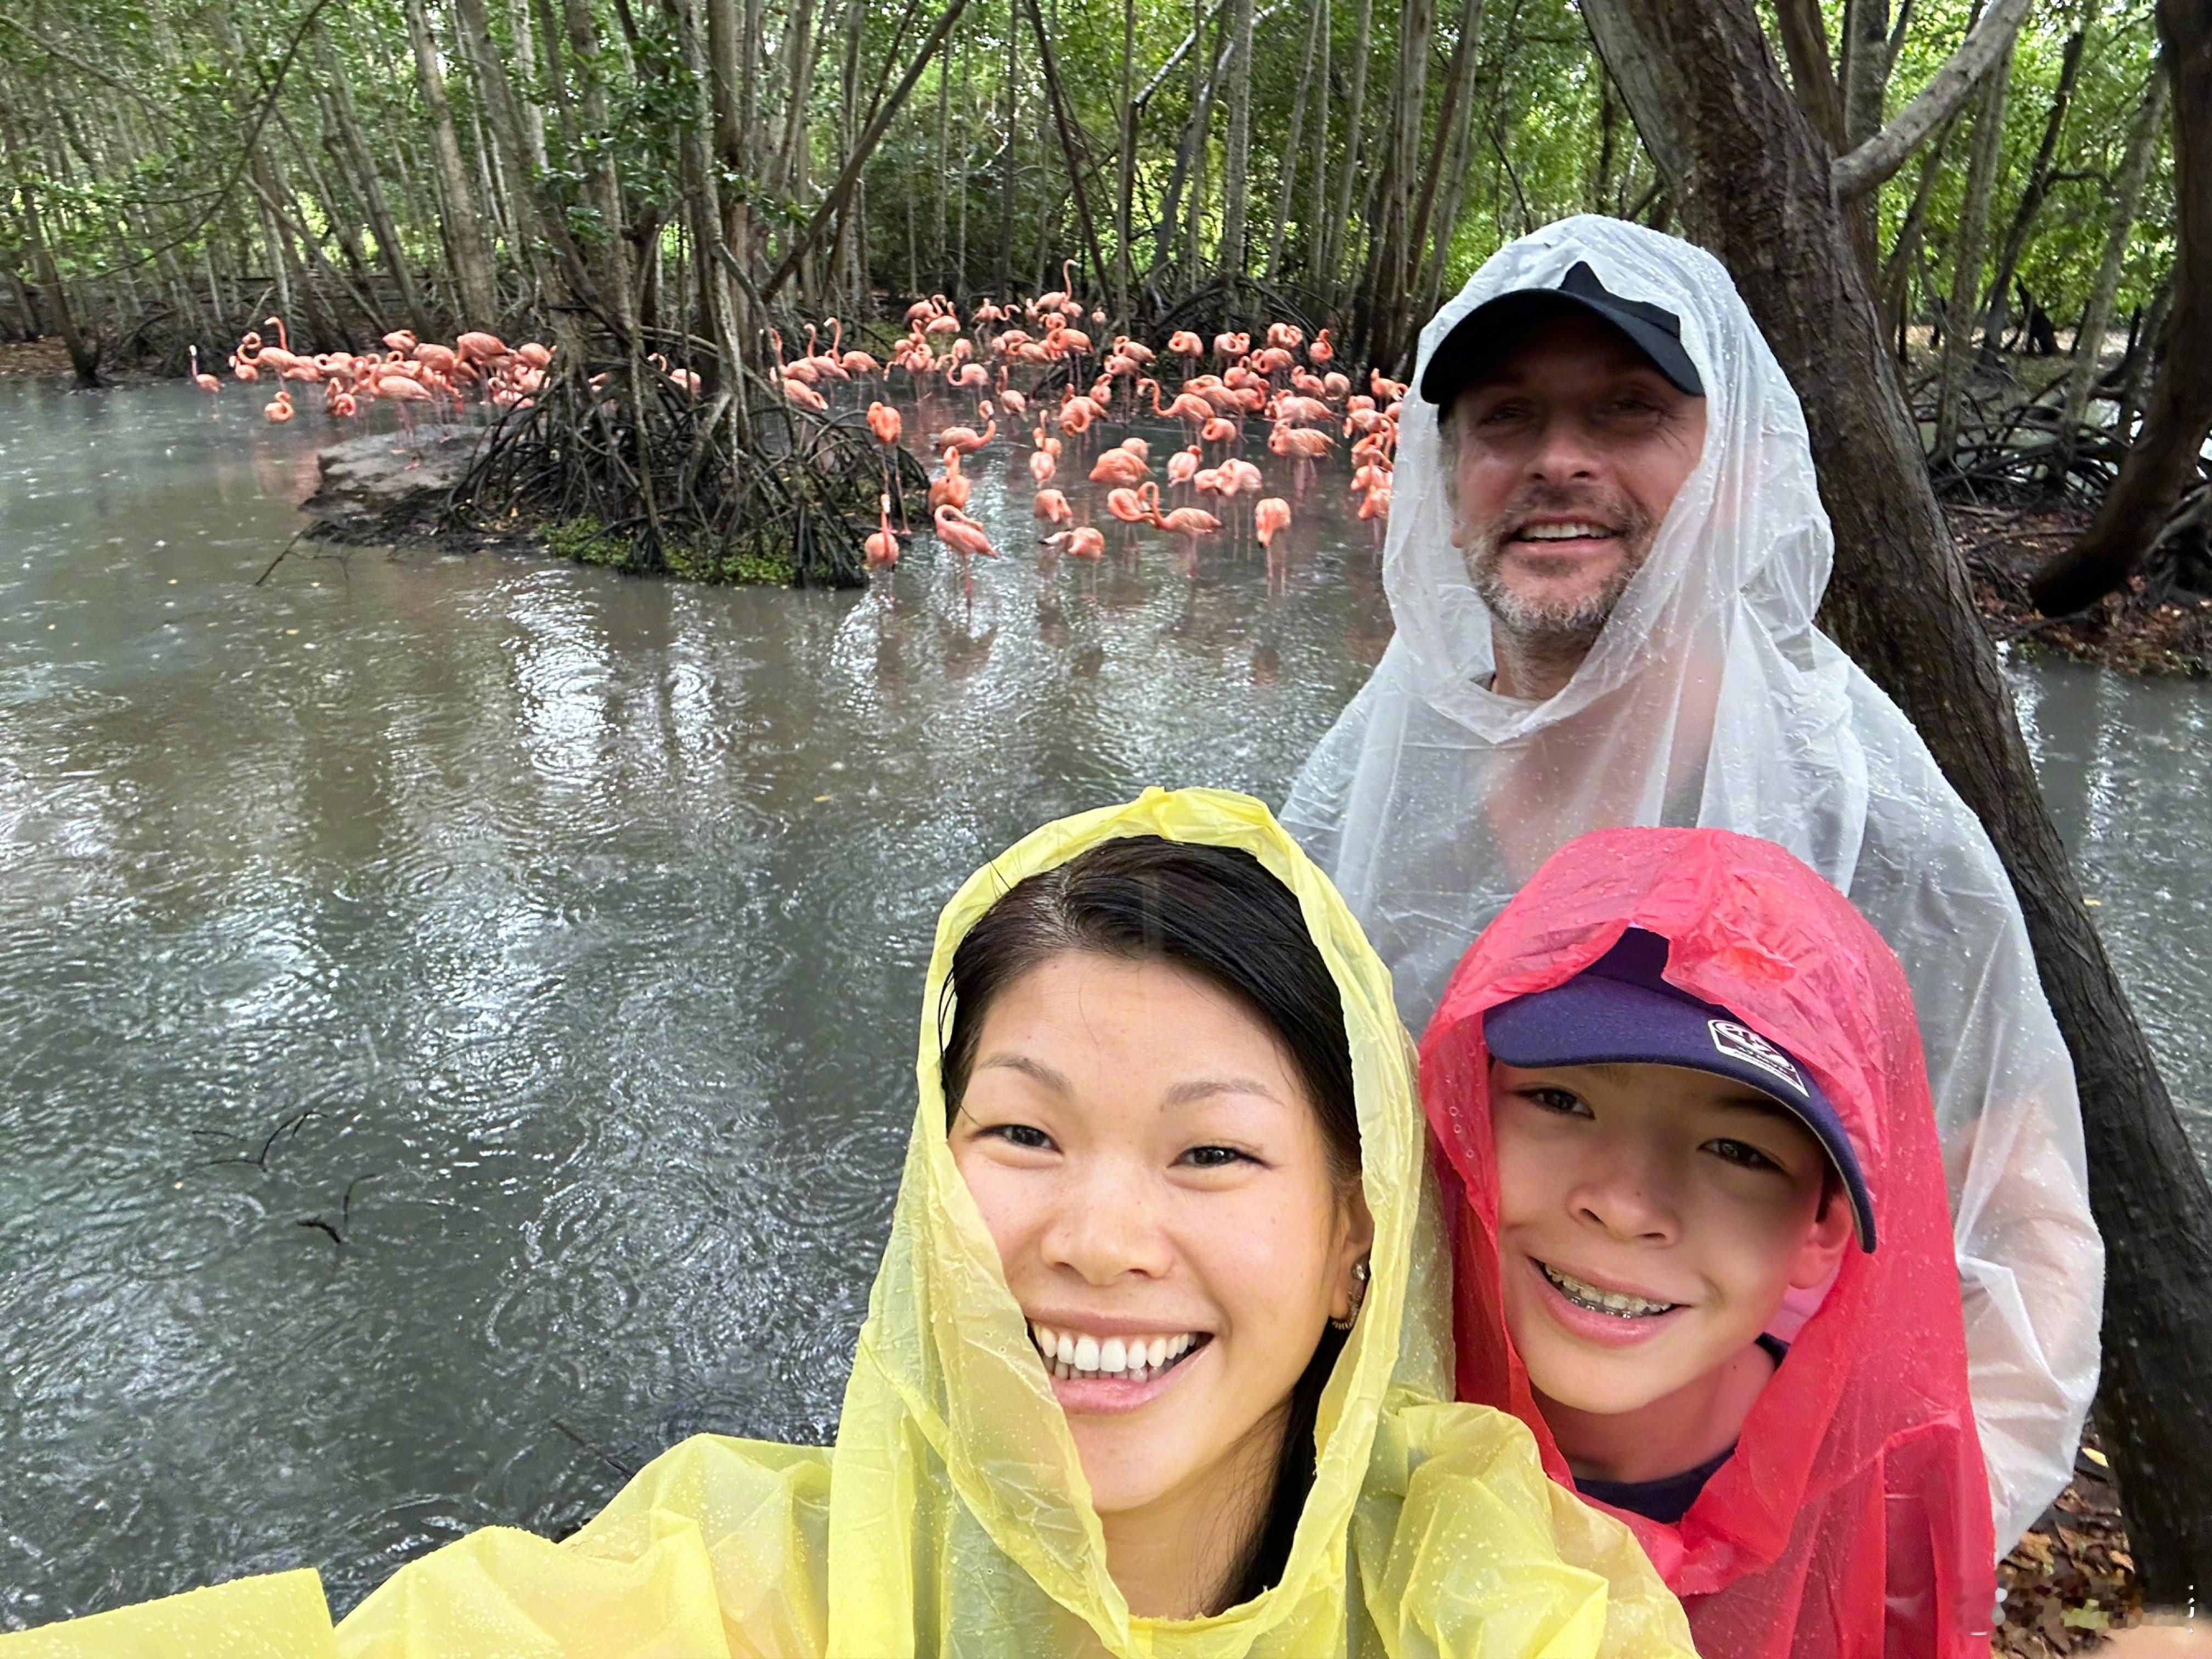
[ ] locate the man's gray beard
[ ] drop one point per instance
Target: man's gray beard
(1557, 629)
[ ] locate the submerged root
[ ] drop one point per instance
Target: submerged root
(691, 487)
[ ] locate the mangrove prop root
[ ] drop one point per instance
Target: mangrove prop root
(668, 487)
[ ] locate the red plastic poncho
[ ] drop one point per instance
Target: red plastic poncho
(1854, 1517)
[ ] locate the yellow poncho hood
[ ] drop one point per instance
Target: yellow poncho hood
(953, 1518)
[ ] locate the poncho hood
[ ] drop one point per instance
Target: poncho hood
(1853, 1517)
(951, 1518)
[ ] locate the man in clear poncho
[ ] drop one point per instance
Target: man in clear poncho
(1692, 687)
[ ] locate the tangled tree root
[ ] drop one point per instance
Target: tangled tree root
(683, 486)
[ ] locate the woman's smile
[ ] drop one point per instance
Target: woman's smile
(1106, 1373)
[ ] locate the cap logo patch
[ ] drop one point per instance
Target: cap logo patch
(1740, 1042)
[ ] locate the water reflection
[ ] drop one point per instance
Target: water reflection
(555, 939)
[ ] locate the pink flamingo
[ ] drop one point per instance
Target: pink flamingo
(1051, 507)
(1183, 463)
(1042, 465)
(1082, 541)
(882, 549)
(951, 489)
(1271, 514)
(205, 382)
(962, 534)
(279, 410)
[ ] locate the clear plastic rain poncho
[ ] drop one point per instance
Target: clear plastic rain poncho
(1710, 698)
(1851, 1520)
(953, 1518)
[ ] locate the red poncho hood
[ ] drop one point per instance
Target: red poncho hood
(1854, 1517)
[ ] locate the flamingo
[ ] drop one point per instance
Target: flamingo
(965, 439)
(400, 340)
(205, 382)
(1187, 345)
(805, 396)
(1136, 506)
(1119, 466)
(951, 489)
(1220, 430)
(1304, 442)
(1138, 448)
(882, 549)
(962, 534)
(1051, 507)
(885, 423)
(531, 352)
(1183, 463)
(1269, 515)
(1188, 407)
(1321, 352)
(1042, 465)
(279, 410)
(1082, 542)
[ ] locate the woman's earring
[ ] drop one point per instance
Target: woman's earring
(1360, 1271)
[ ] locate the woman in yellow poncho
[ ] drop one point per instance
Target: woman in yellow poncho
(1157, 1363)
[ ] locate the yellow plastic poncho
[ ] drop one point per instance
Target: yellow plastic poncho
(952, 1518)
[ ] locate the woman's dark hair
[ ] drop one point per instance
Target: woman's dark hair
(1216, 912)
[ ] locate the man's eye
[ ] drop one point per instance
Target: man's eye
(1215, 1157)
(1503, 414)
(1742, 1152)
(1027, 1135)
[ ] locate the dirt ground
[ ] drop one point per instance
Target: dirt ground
(2071, 1579)
(27, 357)
(2133, 632)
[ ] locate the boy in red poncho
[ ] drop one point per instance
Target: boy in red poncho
(1678, 1080)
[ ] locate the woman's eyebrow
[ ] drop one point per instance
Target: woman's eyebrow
(1034, 1069)
(1201, 1087)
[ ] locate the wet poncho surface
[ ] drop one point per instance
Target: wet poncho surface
(1852, 1518)
(1710, 698)
(953, 1518)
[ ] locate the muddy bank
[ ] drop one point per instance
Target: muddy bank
(2147, 629)
(384, 487)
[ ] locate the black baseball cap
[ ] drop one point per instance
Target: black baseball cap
(1492, 327)
(1621, 1011)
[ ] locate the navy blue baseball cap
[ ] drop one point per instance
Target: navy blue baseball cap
(1621, 1011)
(1492, 327)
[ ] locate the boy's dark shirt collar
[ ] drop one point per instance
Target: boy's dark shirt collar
(1668, 1499)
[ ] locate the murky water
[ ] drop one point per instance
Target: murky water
(555, 939)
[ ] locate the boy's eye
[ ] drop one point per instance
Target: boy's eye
(1564, 1101)
(1215, 1157)
(1742, 1152)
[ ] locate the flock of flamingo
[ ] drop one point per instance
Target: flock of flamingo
(477, 366)
(1286, 382)
(1308, 406)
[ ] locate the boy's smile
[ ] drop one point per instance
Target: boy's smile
(1650, 1219)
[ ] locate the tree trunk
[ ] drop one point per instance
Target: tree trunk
(1125, 186)
(473, 268)
(1338, 221)
(1318, 213)
(1755, 185)
(343, 128)
(1237, 153)
(1290, 168)
(1013, 148)
(2097, 315)
(1897, 275)
(525, 65)
(1867, 60)
(1988, 152)
(2164, 454)
(84, 354)
(2038, 188)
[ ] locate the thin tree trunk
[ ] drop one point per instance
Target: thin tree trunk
(1013, 150)
(2164, 454)
(1983, 159)
(1758, 188)
(344, 127)
(1124, 265)
(1355, 107)
(2038, 188)
(2097, 315)
(1290, 179)
(525, 63)
(1319, 173)
(940, 248)
(473, 268)
(1897, 275)
(1236, 153)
